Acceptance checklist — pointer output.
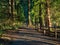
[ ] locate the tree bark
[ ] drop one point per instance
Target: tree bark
(40, 13)
(29, 17)
(48, 15)
(12, 9)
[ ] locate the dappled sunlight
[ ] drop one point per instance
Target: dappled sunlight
(29, 22)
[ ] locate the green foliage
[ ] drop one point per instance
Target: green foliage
(55, 11)
(21, 12)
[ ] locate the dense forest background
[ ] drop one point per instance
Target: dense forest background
(29, 13)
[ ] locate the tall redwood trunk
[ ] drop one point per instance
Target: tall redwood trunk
(48, 14)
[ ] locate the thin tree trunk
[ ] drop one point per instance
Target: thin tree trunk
(40, 13)
(29, 17)
(12, 9)
(9, 9)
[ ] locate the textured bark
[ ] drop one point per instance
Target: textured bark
(48, 14)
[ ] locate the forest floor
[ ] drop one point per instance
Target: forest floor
(30, 37)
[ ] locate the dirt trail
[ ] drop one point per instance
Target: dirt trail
(30, 37)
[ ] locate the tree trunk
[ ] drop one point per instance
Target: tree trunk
(29, 17)
(40, 13)
(9, 9)
(10, 12)
(48, 15)
(12, 9)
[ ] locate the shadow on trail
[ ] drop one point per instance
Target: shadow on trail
(37, 36)
(27, 28)
(20, 42)
(5, 41)
(26, 40)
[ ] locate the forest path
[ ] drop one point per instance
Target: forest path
(31, 37)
